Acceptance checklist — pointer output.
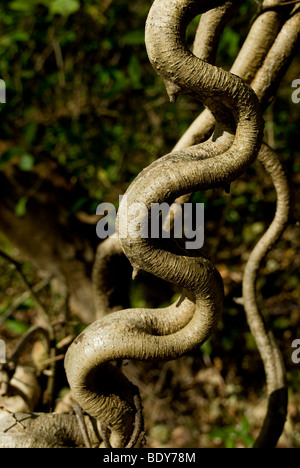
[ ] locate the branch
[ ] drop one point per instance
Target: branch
(269, 4)
(272, 359)
(110, 268)
(28, 337)
(262, 62)
(210, 29)
(45, 328)
(147, 334)
(19, 301)
(273, 65)
(41, 430)
(111, 277)
(41, 309)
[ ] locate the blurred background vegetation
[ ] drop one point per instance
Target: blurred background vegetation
(85, 113)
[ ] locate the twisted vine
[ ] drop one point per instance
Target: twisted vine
(167, 333)
(145, 334)
(271, 356)
(262, 62)
(269, 49)
(265, 56)
(271, 58)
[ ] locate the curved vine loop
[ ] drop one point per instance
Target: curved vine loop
(164, 334)
(262, 62)
(267, 52)
(110, 277)
(273, 48)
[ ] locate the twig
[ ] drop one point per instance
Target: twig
(82, 426)
(26, 338)
(138, 435)
(19, 301)
(138, 432)
(8, 369)
(270, 354)
(40, 307)
(17, 423)
(105, 436)
(60, 357)
(45, 328)
(49, 400)
(268, 5)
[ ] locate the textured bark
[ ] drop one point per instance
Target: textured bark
(111, 277)
(269, 76)
(262, 62)
(40, 430)
(265, 83)
(210, 28)
(266, 70)
(260, 39)
(270, 354)
(267, 4)
(167, 334)
(20, 393)
(149, 334)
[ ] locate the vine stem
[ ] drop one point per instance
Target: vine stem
(166, 334)
(270, 354)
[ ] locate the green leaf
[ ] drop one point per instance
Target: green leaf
(250, 342)
(135, 72)
(20, 5)
(26, 162)
(120, 84)
(229, 44)
(28, 303)
(20, 36)
(3, 307)
(282, 323)
(30, 132)
(20, 208)
(64, 7)
(16, 326)
(17, 151)
(207, 348)
(136, 37)
(230, 443)
(78, 205)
